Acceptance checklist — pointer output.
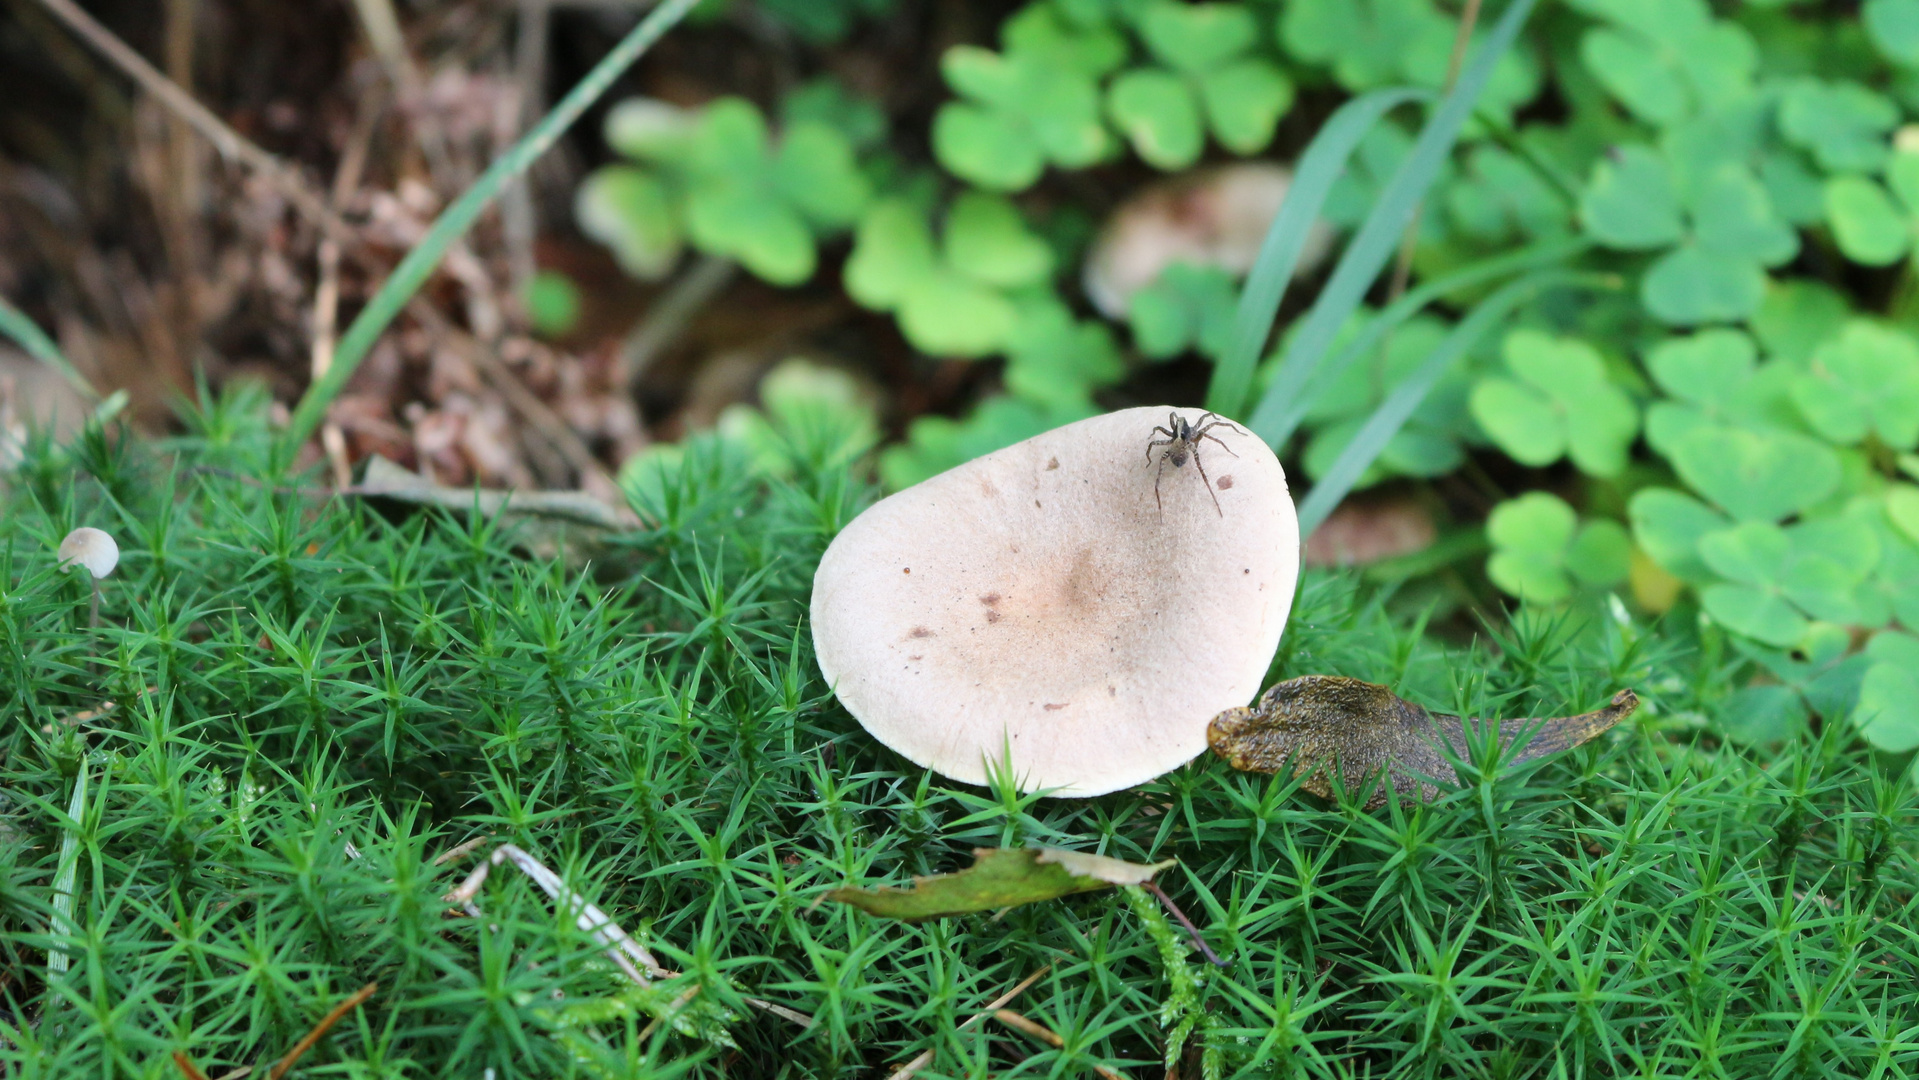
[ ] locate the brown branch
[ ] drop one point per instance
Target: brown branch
(1046, 1035)
(231, 144)
(1403, 269)
(321, 1029)
(187, 1068)
(1191, 930)
(906, 1071)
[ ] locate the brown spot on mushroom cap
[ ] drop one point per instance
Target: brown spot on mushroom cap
(1175, 614)
(1224, 482)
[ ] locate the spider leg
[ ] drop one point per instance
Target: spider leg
(1156, 476)
(1156, 442)
(1216, 439)
(1204, 479)
(1218, 420)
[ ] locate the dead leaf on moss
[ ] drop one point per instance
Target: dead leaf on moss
(999, 878)
(1311, 722)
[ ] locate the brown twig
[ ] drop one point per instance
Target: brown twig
(906, 1071)
(462, 851)
(1046, 1035)
(231, 144)
(1191, 930)
(519, 217)
(321, 1029)
(1403, 269)
(187, 1068)
(666, 319)
(326, 298)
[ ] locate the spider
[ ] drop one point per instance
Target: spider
(1182, 439)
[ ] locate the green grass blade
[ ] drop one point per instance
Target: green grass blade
(15, 324)
(419, 264)
(1279, 253)
(1392, 413)
(1379, 237)
(1527, 258)
(67, 873)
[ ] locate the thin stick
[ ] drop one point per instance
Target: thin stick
(461, 852)
(231, 144)
(322, 1028)
(906, 1071)
(1046, 1035)
(1403, 269)
(187, 1068)
(326, 299)
(519, 216)
(666, 319)
(1191, 930)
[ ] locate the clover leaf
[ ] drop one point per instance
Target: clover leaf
(952, 299)
(1374, 43)
(1055, 358)
(1187, 307)
(631, 211)
(1776, 577)
(1428, 444)
(1036, 102)
(1709, 379)
(1559, 404)
(1755, 473)
(1842, 124)
(717, 178)
(1897, 579)
(1826, 681)
(1500, 199)
(1542, 554)
(1723, 225)
(1668, 525)
(1865, 381)
(1888, 711)
(1797, 317)
(1754, 556)
(1665, 60)
(1871, 224)
(1893, 25)
(1206, 80)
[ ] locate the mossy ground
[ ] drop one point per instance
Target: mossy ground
(316, 698)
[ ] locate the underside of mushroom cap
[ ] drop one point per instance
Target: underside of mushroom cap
(1040, 602)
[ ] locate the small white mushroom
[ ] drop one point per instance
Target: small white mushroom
(1040, 601)
(1209, 217)
(91, 548)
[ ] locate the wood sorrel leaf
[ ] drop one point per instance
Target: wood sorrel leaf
(1311, 723)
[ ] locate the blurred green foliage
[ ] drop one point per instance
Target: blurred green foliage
(1736, 432)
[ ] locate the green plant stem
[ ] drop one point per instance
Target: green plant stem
(419, 264)
(15, 324)
(1280, 425)
(1399, 405)
(1323, 163)
(1378, 237)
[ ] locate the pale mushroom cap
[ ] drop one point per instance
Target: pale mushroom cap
(91, 548)
(1208, 217)
(1038, 599)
